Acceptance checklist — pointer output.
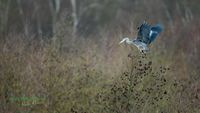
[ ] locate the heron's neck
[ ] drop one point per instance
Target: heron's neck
(128, 41)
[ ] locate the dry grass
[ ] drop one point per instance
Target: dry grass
(92, 76)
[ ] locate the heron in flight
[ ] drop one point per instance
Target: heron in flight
(146, 35)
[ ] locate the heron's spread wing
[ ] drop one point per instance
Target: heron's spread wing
(147, 33)
(155, 30)
(143, 33)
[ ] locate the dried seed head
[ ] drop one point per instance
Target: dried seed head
(149, 63)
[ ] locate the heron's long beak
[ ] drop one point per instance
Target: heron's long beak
(121, 41)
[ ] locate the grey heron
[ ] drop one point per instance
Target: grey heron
(146, 35)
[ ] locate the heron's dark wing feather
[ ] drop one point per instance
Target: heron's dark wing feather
(158, 28)
(155, 30)
(143, 33)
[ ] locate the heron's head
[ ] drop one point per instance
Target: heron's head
(124, 40)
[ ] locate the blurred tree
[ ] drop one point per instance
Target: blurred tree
(88, 16)
(94, 14)
(54, 7)
(74, 15)
(4, 9)
(23, 19)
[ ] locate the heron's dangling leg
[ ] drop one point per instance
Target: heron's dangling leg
(143, 55)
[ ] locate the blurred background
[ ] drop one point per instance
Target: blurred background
(68, 50)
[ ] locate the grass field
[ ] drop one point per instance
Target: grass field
(87, 71)
(87, 77)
